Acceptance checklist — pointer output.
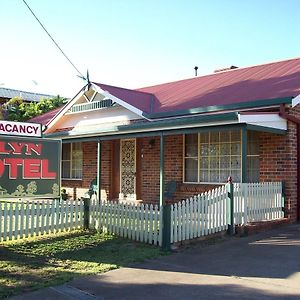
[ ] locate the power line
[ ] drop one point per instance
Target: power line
(63, 53)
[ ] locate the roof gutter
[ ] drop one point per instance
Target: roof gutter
(285, 115)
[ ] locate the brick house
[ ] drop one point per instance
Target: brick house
(190, 134)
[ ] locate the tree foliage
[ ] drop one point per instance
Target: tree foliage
(18, 110)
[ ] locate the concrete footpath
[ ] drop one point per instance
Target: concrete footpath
(262, 266)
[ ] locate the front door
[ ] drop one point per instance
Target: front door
(128, 169)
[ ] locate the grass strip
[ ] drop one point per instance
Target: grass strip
(34, 263)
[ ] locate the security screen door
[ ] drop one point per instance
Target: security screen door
(128, 169)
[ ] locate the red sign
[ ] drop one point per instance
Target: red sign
(27, 163)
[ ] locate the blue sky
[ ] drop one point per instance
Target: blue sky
(133, 43)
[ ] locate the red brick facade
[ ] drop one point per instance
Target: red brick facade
(278, 162)
(173, 166)
(90, 168)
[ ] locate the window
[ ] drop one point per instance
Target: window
(72, 161)
(213, 156)
(253, 157)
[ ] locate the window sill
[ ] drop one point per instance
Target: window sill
(203, 183)
(194, 187)
(72, 179)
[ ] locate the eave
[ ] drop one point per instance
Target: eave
(161, 125)
(227, 121)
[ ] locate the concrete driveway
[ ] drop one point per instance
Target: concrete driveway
(262, 266)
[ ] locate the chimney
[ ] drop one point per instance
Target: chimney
(225, 69)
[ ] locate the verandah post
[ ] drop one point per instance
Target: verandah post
(99, 155)
(166, 208)
(230, 199)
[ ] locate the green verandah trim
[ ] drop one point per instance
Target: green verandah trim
(232, 116)
(166, 208)
(266, 129)
(174, 132)
(214, 108)
(99, 155)
(161, 171)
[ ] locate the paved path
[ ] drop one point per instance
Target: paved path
(263, 266)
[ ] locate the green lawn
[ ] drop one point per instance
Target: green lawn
(34, 263)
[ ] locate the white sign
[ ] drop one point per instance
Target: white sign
(20, 129)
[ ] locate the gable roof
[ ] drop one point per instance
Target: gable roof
(26, 96)
(242, 85)
(256, 86)
(139, 99)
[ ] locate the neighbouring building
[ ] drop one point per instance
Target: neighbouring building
(190, 135)
(6, 94)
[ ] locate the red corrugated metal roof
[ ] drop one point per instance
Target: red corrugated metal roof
(45, 118)
(268, 81)
(138, 99)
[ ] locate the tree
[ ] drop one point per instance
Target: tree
(18, 110)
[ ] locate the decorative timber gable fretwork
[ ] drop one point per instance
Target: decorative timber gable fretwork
(94, 105)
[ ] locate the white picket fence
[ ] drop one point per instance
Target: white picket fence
(197, 216)
(255, 202)
(200, 215)
(22, 219)
(139, 222)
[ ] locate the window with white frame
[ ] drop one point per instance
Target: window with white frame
(72, 161)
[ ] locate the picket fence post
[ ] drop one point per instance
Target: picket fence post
(86, 213)
(166, 227)
(230, 199)
(283, 199)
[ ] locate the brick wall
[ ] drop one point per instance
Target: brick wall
(106, 167)
(293, 164)
(150, 166)
(90, 168)
(173, 169)
(278, 161)
(150, 162)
